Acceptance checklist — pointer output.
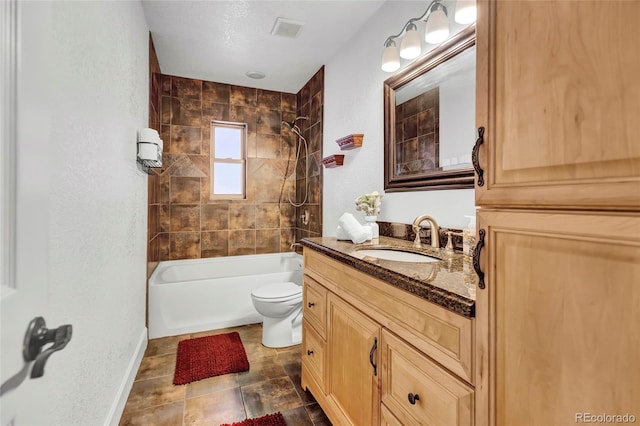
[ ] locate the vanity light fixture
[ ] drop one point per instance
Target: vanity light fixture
(436, 31)
(466, 11)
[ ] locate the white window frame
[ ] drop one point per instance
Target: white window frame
(242, 160)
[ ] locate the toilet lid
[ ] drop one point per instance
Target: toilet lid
(277, 290)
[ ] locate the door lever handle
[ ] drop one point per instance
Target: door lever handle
(37, 336)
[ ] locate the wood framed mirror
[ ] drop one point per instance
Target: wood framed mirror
(429, 119)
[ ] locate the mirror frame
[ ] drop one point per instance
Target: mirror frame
(429, 180)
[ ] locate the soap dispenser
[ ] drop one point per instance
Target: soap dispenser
(469, 237)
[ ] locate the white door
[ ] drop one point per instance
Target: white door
(24, 191)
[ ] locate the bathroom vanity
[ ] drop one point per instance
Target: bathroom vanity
(388, 342)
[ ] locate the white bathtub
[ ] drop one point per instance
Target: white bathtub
(188, 296)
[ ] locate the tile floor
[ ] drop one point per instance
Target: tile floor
(272, 384)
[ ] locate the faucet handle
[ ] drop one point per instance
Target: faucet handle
(417, 243)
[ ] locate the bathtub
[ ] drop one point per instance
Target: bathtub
(188, 296)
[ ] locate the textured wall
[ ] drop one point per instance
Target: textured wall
(184, 223)
(97, 251)
(353, 103)
(310, 170)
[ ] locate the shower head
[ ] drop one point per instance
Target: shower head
(292, 124)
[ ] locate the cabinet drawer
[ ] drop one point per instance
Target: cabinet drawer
(408, 375)
(388, 419)
(315, 305)
(313, 353)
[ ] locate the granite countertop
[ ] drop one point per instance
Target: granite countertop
(449, 282)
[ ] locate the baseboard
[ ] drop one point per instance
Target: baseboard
(127, 382)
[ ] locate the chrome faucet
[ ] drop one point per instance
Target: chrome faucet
(435, 231)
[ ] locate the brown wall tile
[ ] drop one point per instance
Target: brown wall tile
(184, 245)
(268, 146)
(267, 241)
(164, 218)
(267, 216)
(215, 92)
(185, 140)
(242, 242)
(186, 88)
(243, 96)
(163, 246)
(186, 112)
(244, 114)
(215, 217)
(185, 190)
(165, 85)
(288, 102)
(214, 111)
(215, 243)
(165, 110)
(269, 121)
(242, 216)
(185, 218)
(268, 99)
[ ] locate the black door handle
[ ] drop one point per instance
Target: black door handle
(37, 336)
(371, 353)
(474, 156)
(476, 258)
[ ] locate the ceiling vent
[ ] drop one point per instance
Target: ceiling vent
(286, 28)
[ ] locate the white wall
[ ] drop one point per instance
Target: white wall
(99, 78)
(354, 104)
(458, 118)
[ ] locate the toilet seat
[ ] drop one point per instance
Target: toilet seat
(277, 292)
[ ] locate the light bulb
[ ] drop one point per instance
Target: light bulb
(466, 11)
(437, 29)
(390, 58)
(410, 46)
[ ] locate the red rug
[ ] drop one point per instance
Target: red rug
(209, 356)
(268, 420)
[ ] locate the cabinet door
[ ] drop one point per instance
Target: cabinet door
(418, 391)
(353, 340)
(558, 94)
(558, 322)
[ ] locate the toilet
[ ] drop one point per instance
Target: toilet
(280, 305)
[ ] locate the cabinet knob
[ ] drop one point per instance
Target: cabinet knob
(309, 353)
(413, 398)
(311, 304)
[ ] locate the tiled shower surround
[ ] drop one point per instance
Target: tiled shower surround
(310, 104)
(183, 222)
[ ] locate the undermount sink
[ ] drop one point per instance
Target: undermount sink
(398, 255)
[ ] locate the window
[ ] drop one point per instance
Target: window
(228, 160)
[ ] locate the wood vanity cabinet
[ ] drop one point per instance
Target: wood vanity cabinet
(558, 316)
(375, 354)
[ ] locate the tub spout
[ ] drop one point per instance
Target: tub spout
(293, 245)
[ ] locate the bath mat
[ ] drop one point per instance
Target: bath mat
(209, 356)
(275, 419)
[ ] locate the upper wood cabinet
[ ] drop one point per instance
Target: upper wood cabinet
(558, 93)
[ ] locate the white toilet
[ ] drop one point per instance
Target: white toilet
(280, 305)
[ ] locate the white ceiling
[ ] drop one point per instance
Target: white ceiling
(221, 40)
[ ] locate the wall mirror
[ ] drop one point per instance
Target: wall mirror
(429, 119)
